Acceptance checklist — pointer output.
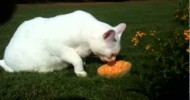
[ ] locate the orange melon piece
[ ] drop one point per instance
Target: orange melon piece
(114, 69)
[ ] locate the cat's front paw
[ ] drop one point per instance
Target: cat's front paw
(81, 74)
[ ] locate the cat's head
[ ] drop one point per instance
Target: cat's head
(107, 45)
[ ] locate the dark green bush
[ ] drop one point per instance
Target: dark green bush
(182, 12)
(168, 76)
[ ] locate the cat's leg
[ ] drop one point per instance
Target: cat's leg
(5, 67)
(73, 58)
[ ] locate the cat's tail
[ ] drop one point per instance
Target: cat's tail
(5, 67)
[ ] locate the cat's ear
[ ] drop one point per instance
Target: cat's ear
(120, 28)
(109, 35)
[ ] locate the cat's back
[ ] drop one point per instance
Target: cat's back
(65, 24)
(82, 14)
(74, 17)
(33, 22)
(31, 25)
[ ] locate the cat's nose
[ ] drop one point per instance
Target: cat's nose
(113, 58)
(114, 54)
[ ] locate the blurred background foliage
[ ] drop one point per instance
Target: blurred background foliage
(49, 1)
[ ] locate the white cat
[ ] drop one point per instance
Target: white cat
(47, 44)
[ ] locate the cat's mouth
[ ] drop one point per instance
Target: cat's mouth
(108, 59)
(105, 58)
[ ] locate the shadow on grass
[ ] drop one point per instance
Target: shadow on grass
(1, 69)
(174, 87)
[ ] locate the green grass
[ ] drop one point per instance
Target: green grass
(64, 84)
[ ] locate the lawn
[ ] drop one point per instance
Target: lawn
(64, 84)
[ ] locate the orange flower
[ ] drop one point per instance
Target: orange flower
(184, 17)
(188, 50)
(148, 47)
(186, 34)
(135, 40)
(140, 34)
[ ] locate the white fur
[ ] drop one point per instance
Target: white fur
(47, 44)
